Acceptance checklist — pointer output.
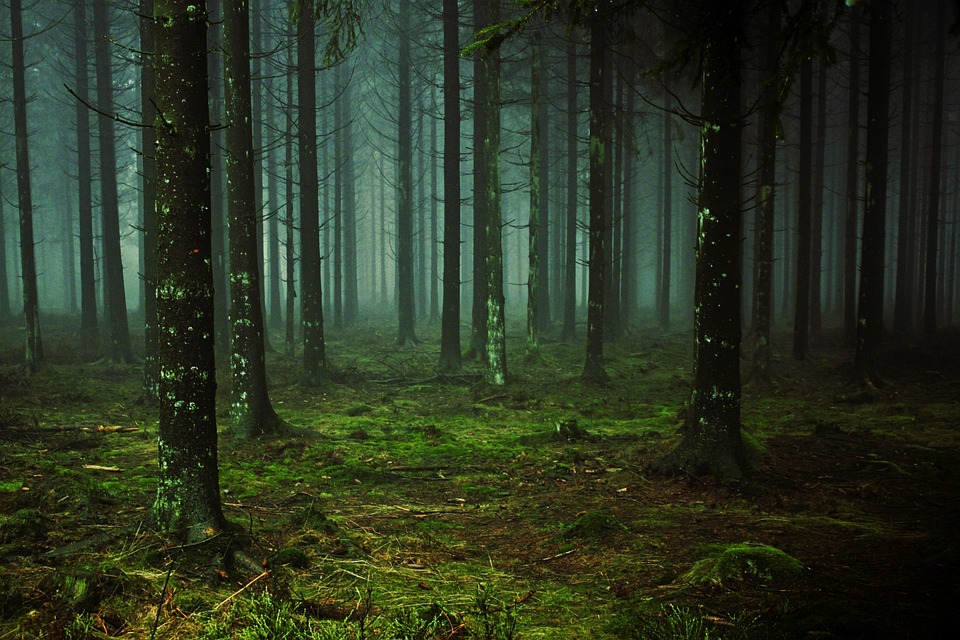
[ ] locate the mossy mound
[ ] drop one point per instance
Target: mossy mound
(25, 524)
(728, 565)
(594, 526)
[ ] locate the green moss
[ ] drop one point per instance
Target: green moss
(728, 565)
(594, 526)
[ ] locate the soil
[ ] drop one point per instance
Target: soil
(418, 488)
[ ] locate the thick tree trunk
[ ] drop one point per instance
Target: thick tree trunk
(450, 361)
(711, 436)
(933, 223)
(119, 349)
(33, 347)
(188, 492)
(870, 302)
(570, 248)
(488, 112)
(251, 413)
(314, 348)
(766, 192)
(148, 81)
(406, 298)
(852, 182)
(593, 368)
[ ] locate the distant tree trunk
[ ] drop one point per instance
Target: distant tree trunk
(852, 188)
(421, 216)
(290, 244)
(816, 217)
(89, 329)
(801, 305)
(933, 223)
(4, 285)
(314, 348)
(478, 330)
(766, 193)
(335, 261)
(533, 223)
(148, 98)
(904, 296)
(450, 360)
(488, 112)
(613, 160)
(593, 368)
(351, 301)
(188, 486)
(251, 413)
(711, 435)
(275, 317)
(221, 289)
(666, 239)
(628, 250)
(545, 266)
(116, 303)
(870, 303)
(570, 248)
(33, 348)
(406, 299)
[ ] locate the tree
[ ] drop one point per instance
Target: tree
(450, 358)
(599, 142)
(870, 300)
(487, 104)
(666, 230)
(801, 307)
(852, 189)
(933, 197)
(406, 299)
(4, 285)
(119, 348)
(89, 329)
(314, 348)
(251, 413)
(33, 348)
(148, 81)
(570, 249)
(534, 229)
(188, 492)
(711, 440)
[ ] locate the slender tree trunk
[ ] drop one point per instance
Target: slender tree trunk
(816, 217)
(613, 161)
(666, 240)
(337, 258)
(33, 347)
(570, 248)
(628, 250)
(533, 224)
(711, 440)
(256, 121)
(933, 223)
(221, 289)
(314, 348)
(275, 316)
(351, 302)
(148, 98)
(434, 198)
(593, 368)
(870, 303)
(116, 303)
(290, 244)
(421, 216)
(188, 487)
(4, 285)
(801, 307)
(852, 188)
(478, 331)
(251, 413)
(89, 329)
(767, 188)
(904, 298)
(545, 266)
(450, 359)
(488, 112)
(406, 298)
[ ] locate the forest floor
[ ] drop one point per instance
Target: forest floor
(418, 506)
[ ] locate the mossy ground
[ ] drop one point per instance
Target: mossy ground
(418, 504)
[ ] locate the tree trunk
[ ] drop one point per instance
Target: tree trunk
(148, 82)
(599, 144)
(478, 330)
(904, 298)
(666, 239)
(801, 305)
(4, 284)
(434, 221)
(816, 217)
(406, 299)
(351, 302)
(188, 491)
(221, 289)
(275, 316)
(337, 258)
(628, 246)
(533, 224)
(545, 266)
(766, 193)
(933, 224)
(33, 347)
(116, 303)
(290, 263)
(450, 360)
(852, 188)
(711, 435)
(487, 101)
(570, 248)
(251, 413)
(314, 348)
(870, 302)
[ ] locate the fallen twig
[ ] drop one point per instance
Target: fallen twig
(241, 590)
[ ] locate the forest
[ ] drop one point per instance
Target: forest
(485, 319)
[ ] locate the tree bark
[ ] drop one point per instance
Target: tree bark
(188, 492)
(533, 222)
(221, 269)
(290, 262)
(351, 301)
(148, 98)
(478, 330)
(406, 298)
(852, 188)
(936, 151)
(666, 239)
(570, 248)
(801, 305)
(711, 435)
(870, 300)
(314, 348)
(450, 357)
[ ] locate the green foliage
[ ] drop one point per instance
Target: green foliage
(671, 622)
(493, 619)
(728, 565)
